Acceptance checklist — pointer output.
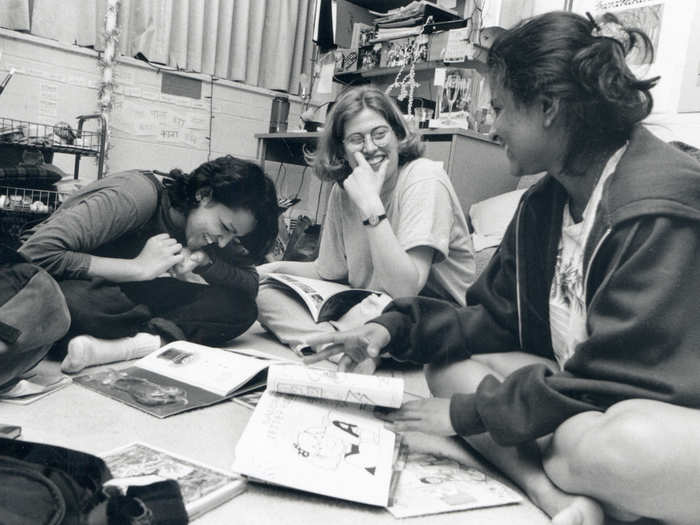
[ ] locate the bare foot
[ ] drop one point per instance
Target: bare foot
(581, 511)
(563, 507)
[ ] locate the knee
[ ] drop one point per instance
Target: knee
(617, 446)
(460, 377)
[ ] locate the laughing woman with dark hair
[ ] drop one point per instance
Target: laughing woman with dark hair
(143, 260)
(575, 365)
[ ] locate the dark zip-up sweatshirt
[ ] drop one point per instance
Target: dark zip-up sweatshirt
(642, 285)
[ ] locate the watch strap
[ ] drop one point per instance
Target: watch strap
(373, 220)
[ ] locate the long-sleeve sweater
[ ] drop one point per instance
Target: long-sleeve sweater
(114, 217)
(642, 284)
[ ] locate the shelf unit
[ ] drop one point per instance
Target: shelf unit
(57, 139)
(367, 76)
(20, 206)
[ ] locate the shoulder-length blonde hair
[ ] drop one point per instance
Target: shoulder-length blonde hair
(328, 159)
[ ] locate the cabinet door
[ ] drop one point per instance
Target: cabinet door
(478, 169)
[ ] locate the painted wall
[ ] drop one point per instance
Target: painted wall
(150, 130)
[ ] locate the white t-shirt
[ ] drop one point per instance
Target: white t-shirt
(423, 210)
(567, 296)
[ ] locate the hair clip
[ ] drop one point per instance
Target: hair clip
(613, 30)
(592, 20)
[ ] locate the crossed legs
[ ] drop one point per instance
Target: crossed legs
(635, 459)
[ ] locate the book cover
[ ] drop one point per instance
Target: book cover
(429, 484)
(202, 487)
(326, 300)
(181, 376)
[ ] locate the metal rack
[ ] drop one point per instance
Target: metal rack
(22, 207)
(57, 139)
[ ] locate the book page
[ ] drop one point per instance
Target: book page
(314, 292)
(431, 485)
(340, 386)
(328, 448)
(211, 369)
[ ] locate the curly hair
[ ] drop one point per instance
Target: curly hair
(560, 54)
(328, 160)
(235, 183)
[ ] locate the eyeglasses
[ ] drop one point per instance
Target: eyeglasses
(381, 135)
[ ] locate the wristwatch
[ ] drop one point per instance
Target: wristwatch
(373, 219)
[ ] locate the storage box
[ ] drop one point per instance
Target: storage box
(436, 48)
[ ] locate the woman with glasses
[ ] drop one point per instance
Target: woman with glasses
(394, 223)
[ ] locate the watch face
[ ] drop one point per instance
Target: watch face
(373, 220)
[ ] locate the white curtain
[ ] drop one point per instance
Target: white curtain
(264, 43)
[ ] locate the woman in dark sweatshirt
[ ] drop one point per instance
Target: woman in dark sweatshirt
(575, 365)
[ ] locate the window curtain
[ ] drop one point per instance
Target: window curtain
(264, 43)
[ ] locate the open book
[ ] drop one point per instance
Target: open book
(202, 487)
(329, 443)
(181, 376)
(326, 300)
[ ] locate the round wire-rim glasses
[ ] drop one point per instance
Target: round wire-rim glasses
(380, 136)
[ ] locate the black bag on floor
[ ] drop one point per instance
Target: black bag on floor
(33, 315)
(50, 485)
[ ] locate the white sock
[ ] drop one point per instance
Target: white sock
(85, 350)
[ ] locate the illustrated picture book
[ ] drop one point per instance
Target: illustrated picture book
(326, 300)
(181, 376)
(335, 447)
(429, 484)
(202, 487)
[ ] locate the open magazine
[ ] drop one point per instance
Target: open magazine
(326, 300)
(202, 487)
(330, 443)
(181, 376)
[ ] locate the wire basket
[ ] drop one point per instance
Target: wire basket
(59, 137)
(27, 200)
(22, 208)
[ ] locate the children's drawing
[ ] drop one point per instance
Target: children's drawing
(338, 440)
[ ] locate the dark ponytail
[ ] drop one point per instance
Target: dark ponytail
(583, 63)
